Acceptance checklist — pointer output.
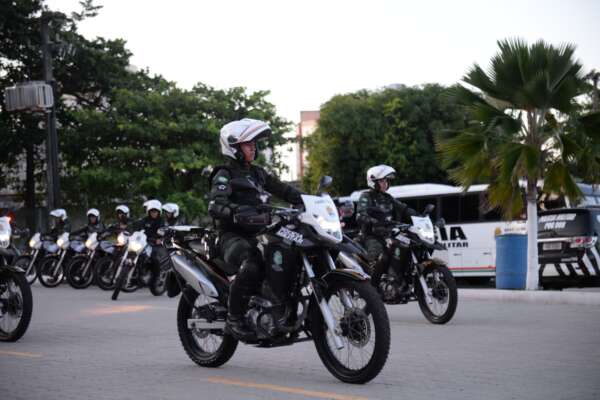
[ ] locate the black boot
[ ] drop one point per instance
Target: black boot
(237, 327)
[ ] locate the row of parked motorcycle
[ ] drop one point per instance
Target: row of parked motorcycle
(81, 259)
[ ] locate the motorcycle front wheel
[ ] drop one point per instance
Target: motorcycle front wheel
(444, 295)
(207, 348)
(47, 275)
(104, 273)
(363, 327)
(75, 272)
(158, 283)
(122, 284)
(16, 304)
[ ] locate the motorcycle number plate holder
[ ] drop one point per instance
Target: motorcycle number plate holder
(290, 235)
(403, 239)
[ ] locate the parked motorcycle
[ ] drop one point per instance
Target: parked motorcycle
(80, 270)
(135, 269)
(304, 297)
(52, 268)
(16, 302)
(417, 276)
(106, 267)
(39, 246)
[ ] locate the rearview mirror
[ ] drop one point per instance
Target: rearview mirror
(206, 171)
(324, 182)
(428, 209)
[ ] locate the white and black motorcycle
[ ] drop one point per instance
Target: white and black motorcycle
(53, 266)
(16, 302)
(305, 296)
(30, 261)
(412, 274)
(80, 271)
(135, 268)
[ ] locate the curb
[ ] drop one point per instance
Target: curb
(538, 297)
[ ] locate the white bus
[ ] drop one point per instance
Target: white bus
(470, 230)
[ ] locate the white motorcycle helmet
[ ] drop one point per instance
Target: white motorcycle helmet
(123, 208)
(171, 208)
(379, 172)
(244, 130)
(153, 205)
(94, 212)
(59, 213)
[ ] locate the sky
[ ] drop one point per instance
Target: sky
(305, 52)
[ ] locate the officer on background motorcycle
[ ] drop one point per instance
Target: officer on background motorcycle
(94, 224)
(122, 221)
(59, 223)
(151, 224)
(375, 208)
(171, 212)
(238, 189)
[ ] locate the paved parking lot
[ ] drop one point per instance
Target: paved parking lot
(81, 345)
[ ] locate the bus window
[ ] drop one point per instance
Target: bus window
(469, 208)
(412, 203)
(451, 208)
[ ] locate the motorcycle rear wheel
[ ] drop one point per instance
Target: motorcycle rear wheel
(196, 343)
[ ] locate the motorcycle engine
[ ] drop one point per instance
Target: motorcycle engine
(260, 318)
(390, 289)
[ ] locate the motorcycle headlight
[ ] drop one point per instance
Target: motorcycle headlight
(427, 235)
(4, 239)
(121, 239)
(91, 244)
(135, 246)
(333, 228)
(61, 243)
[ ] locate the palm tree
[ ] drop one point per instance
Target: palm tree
(518, 130)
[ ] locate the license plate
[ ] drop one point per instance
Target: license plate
(552, 246)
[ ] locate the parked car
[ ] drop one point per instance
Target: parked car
(569, 251)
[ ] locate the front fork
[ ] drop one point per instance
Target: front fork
(32, 262)
(88, 263)
(420, 273)
(59, 263)
(323, 305)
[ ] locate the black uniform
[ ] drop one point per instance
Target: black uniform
(237, 191)
(374, 208)
(98, 228)
(61, 227)
(150, 226)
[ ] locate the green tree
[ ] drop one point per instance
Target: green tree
(85, 78)
(153, 143)
(392, 126)
(518, 129)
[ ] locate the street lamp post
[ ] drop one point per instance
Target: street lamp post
(53, 191)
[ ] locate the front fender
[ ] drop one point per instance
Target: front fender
(344, 274)
(433, 262)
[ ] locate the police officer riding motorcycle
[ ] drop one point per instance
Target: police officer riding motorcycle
(400, 245)
(238, 189)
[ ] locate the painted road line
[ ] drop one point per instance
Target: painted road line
(283, 389)
(20, 354)
(121, 309)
